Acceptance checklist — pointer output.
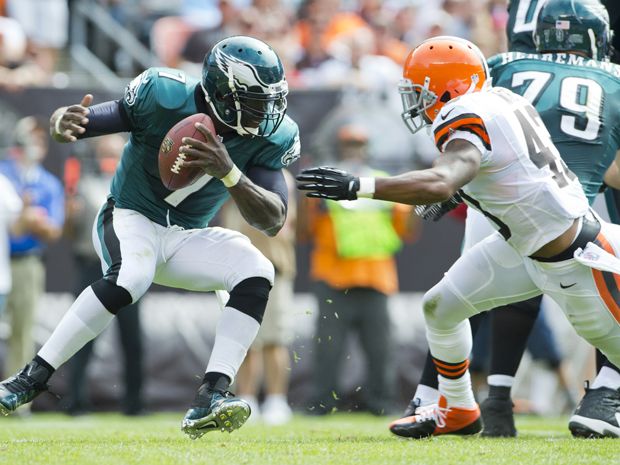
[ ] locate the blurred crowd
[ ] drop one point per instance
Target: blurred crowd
(323, 43)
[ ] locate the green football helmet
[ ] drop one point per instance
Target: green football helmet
(244, 84)
(574, 26)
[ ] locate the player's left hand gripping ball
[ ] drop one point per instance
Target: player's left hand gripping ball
(328, 183)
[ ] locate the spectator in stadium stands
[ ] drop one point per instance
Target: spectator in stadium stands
(317, 66)
(84, 194)
(205, 37)
(10, 208)
(404, 23)
(19, 68)
(488, 21)
(368, 71)
(46, 25)
(268, 360)
(353, 266)
(42, 221)
(326, 17)
(386, 43)
(274, 27)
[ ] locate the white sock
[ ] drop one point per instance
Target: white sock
(452, 345)
(607, 377)
(233, 337)
(501, 380)
(458, 391)
(427, 395)
(84, 320)
(279, 398)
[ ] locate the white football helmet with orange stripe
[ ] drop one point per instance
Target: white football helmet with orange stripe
(437, 71)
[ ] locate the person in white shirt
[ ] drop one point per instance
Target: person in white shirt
(10, 208)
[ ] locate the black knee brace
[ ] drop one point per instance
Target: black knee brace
(112, 297)
(250, 297)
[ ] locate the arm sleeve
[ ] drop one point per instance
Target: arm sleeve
(106, 118)
(272, 180)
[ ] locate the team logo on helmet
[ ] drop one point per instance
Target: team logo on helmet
(243, 73)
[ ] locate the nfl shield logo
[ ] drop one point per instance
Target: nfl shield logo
(166, 145)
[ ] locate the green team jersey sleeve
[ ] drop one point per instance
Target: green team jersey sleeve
(522, 16)
(282, 148)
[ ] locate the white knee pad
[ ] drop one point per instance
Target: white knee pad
(443, 308)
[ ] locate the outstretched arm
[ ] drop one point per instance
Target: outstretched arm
(458, 165)
(67, 124)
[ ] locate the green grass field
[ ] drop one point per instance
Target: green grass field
(340, 439)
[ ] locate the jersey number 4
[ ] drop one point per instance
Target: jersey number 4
(581, 101)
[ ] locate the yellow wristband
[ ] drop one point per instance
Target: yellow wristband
(233, 177)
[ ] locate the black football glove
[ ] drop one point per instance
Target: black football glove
(435, 211)
(328, 183)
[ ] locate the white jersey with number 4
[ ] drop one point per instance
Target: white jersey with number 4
(523, 186)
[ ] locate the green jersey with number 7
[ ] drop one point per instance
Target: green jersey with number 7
(154, 102)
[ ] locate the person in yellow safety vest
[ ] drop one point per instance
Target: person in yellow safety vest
(354, 271)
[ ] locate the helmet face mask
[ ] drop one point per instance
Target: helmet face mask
(579, 26)
(244, 84)
(416, 100)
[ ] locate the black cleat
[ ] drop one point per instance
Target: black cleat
(22, 388)
(214, 410)
(597, 415)
(497, 418)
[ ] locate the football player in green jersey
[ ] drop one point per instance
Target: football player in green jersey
(146, 233)
(576, 90)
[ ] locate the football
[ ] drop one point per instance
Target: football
(173, 175)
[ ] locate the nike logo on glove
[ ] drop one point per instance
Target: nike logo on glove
(566, 287)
